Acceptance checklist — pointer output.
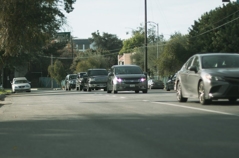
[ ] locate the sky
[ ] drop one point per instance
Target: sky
(121, 16)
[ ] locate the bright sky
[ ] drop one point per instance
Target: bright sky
(121, 16)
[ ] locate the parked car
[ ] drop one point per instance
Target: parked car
(155, 84)
(20, 84)
(208, 77)
(79, 79)
(127, 78)
(95, 79)
(70, 81)
(170, 83)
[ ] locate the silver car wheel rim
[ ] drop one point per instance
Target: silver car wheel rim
(201, 93)
(179, 92)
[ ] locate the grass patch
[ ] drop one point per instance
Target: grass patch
(5, 91)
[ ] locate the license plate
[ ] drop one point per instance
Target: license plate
(132, 85)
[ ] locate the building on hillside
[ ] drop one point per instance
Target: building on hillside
(81, 45)
(125, 59)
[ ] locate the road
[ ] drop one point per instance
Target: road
(60, 124)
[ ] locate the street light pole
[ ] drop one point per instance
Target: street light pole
(145, 39)
(157, 43)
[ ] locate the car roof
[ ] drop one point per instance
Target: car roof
(210, 54)
(125, 66)
(20, 78)
(97, 69)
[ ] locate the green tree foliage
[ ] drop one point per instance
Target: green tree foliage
(134, 42)
(137, 39)
(174, 55)
(216, 31)
(107, 45)
(57, 71)
(26, 25)
(94, 61)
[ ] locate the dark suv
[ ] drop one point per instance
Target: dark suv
(95, 79)
(70, 81)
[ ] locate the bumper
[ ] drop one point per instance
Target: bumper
(130, 87)
(21, 89)
(223, 91)
(97, 85)
(72, 86)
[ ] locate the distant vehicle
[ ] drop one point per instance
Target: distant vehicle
(70, 81)
(127, 78)
(170, 83)
(155, 84)
(20, 84)
(94, 79)
(209, 77)
(79, 79)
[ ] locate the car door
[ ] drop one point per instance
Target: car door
(193, 78)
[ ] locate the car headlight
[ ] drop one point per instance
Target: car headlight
(117, 80)
(143, 79)
(214, 78)
(91, 79)
(27, 86)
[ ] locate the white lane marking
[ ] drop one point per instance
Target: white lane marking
(200, 109)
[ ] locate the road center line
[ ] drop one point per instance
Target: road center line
(200, 109)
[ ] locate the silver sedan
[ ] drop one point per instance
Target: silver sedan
(209, 77)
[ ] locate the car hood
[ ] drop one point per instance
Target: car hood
(130, 76)
(99, 78)
(22, 84)
(227, 72)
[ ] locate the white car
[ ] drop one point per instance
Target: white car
(20, 84)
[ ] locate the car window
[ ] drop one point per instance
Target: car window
(188, 63)
(196, 63)
(20, 81)
(97, 72)
(220, 61)
(128, 70)
(72, 77)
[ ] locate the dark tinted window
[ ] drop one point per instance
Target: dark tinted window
(196, 62)
(72, 77)
(128, 70)
(220, 61)
(97, 72)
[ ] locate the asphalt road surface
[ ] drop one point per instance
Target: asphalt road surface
(73, 124)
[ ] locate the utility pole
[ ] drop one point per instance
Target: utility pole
(145, 39)
(51, 76)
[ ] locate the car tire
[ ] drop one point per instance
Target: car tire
(77, 88)
(179, 94)
(145, 91)
(88, 89)
(201, 94)
(137, 91)
(232, 100)
(108, 91)
(114, 91)
(81, 87)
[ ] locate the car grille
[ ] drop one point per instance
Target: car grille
(234, 90)
(21, 86)
(131, 80)
(232, 80)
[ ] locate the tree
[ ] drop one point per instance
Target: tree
(26, 25)
(216, 31)
(57, 71)
(107, 45)
(174, 55)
